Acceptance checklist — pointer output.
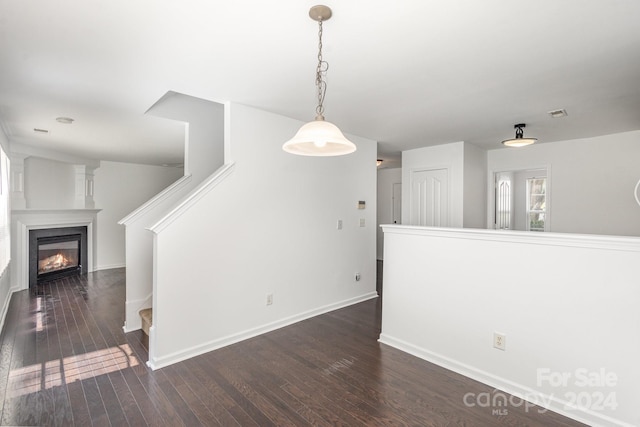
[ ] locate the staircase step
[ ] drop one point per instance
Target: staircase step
(146, 316)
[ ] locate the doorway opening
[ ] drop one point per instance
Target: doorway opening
(521, 200)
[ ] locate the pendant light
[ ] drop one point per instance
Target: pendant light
(319, 137)
(519, 140)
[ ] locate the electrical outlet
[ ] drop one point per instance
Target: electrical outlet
(499, 341)
(361, 222)
(339, 224)
(269, 299)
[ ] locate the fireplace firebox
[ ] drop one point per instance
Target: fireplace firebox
(56, 253)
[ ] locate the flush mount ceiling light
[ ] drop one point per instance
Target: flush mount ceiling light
(319, 137)
(519, 140)
(65, 120)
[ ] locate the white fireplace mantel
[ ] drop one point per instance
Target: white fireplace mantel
(24, 220)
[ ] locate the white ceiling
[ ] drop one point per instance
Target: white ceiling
(408, 73)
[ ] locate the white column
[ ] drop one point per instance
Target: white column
(84, 187)
(18, 201)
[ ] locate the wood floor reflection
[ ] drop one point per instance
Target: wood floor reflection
(64, 360)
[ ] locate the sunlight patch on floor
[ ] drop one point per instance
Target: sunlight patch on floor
(54, 373)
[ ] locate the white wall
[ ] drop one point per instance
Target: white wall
(204, 150)
(475, 189)
(119, 189)
(591, 181)
(564, 301)
(49, 184)
(268, 228)
(5, 232)
(386, 179)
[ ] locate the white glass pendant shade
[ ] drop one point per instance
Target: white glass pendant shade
(319, 138)
(519, 142)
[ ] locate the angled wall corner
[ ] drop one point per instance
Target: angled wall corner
(268, 229)
(203, 154)
(204, 130)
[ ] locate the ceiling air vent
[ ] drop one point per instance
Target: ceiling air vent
(556, 114)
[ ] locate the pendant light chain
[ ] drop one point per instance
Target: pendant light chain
(319, 138)
(321, 70)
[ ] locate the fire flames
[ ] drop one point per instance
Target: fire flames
(54, 262)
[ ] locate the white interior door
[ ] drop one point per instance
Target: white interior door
(430, 198)
(504, 212)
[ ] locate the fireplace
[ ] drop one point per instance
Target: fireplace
(56, 253)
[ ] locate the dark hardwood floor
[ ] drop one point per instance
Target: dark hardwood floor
(64, 360)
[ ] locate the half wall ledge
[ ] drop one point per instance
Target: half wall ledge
(557, 299)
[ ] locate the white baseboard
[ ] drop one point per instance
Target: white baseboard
(545, 401)
(109, 267)
(5, 307)
(160, 362)
(5, 281)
